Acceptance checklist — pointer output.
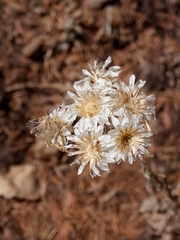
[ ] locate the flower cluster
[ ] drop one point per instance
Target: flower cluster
(105, 122)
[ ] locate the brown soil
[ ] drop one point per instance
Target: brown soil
(44, 45)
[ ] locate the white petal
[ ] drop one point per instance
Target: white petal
(140, 84)
(108, 60)
(95, 171)
(86, 73)
(130, 158)
(132, 80)
(71, 94)
(115, 69)
(80, 169)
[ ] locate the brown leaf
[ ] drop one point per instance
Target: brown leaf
(20, 182)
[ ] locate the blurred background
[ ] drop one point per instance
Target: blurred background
(44, 45)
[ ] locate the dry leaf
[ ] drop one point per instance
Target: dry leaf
(20, 182)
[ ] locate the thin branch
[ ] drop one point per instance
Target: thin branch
(62, 88)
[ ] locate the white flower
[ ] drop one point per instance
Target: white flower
(91, 147)
(90, 103)
(129, 102)
(103, 122)
(100, 76)
(54, 127)
(130, 139)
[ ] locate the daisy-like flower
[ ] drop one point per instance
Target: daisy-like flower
(90, 103)
(130, 139)
(100, 76)
(103, 122)
(128, 100)
(54, 127)
(91, 147)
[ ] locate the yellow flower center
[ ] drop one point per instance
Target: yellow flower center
(137, 105)
(91, 150)
(122, 99)
(126, 139)
(94, 151)
(89, 106)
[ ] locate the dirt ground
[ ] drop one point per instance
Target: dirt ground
(44, 45)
